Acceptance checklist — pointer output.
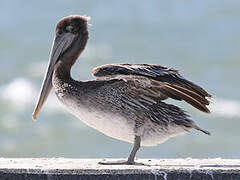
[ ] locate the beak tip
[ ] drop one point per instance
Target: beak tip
(34, 117)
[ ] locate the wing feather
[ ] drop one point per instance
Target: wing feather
(189, 99)
(150, 83)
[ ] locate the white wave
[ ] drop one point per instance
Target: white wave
(225, 107)
(20, 93)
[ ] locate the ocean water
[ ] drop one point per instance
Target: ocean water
(200, 38)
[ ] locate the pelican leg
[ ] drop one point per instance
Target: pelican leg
(130, 161)
(137, 143)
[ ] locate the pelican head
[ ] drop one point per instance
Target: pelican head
(70, 39)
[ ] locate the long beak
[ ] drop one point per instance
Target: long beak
(60, 44)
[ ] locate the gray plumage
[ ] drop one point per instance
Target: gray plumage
(125, 101)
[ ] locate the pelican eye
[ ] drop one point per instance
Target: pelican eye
(59, 32)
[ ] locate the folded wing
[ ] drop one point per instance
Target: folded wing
(150, 83)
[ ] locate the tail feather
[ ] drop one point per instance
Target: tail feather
(199, 129)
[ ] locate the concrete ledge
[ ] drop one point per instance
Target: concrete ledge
(86, 169)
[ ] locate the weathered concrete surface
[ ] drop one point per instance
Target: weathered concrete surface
(86, 169)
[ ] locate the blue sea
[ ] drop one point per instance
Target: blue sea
(200, 38)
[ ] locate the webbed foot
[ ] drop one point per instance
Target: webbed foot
(121, 162)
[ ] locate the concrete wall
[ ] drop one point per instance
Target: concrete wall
(87, 169)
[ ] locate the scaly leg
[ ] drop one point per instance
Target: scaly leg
(130, 161)
(137, 143)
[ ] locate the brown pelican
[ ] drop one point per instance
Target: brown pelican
(125, 101)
